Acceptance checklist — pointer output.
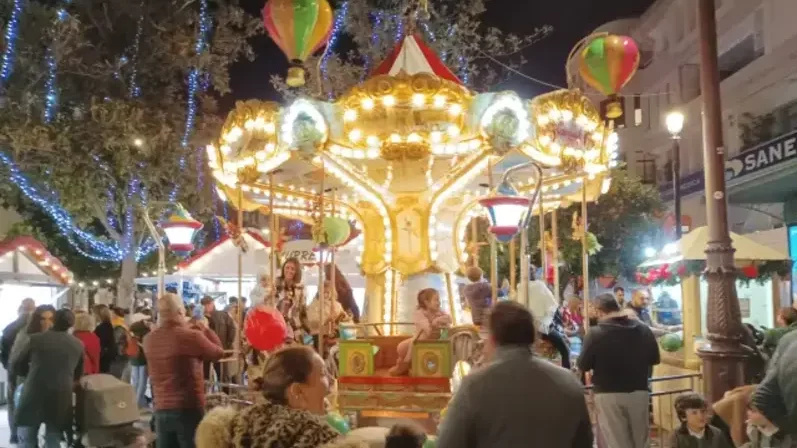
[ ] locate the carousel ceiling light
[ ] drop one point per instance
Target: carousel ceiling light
(453, 130)
(543, 120)
(567, 115)
(355, 135)
(372, 153)
(455, 110)
(389, 100)
(372, 140)
(368, 103)
(350, 115)
(439, 101)
(395, 138)
(436, 136)
(554, 114)
(418, 100)
(270, 128)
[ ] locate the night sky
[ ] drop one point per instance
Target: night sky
(571, 20)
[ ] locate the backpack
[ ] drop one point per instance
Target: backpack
(126, 344)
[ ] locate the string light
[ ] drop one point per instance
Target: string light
(134, 90)
(51, 95)
(11, 34)
(399, 27)
(337, 27)
(378, 17)
(194, 74)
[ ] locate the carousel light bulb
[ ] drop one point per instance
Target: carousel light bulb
(355, 135)
(395, 138)
(453, 131)
(436, 136)
(270, 147)
(455, 110)
(597, 136)
(350, 115)
(414, 138)
(372, 140)
(554, 114)
(389, 100)
(372, 153)
(567, 115)
(138, 142)
(418, 100)
(368, 103)
(439, 101)
(555, 148)
(545, 140)
(543, 120)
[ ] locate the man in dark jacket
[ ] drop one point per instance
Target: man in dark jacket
(10, 332)
(518, 400)
(222, 324)
(776, 396)
(621, 353)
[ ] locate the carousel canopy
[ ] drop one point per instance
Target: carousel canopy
(412, 56)
(26, 260)
(693, 246)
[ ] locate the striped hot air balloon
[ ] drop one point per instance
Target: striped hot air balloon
(299, 27)
(607, 63)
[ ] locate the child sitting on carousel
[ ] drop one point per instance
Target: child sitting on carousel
(429, 321)
(333, 315)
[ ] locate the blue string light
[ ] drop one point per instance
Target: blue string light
(377, 17)
(337, 27)
(399, 27)
(11, 34)
(134, 90)
(463, 70)
(194, 75)
(51, 90)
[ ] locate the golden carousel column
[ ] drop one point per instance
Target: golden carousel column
(373, 266)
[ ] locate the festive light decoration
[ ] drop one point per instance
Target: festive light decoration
(205, 24)
(299, 28)
(11, 34)
(133, 89)
(337, 27)
(180, 229)
(607, 63)
(669, 274)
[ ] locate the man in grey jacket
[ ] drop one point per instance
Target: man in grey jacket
(518, 400)
(776, 396)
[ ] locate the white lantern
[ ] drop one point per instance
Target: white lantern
(507, 215)
(180, 229)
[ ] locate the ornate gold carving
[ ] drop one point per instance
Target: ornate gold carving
(404, 151)
(357, 363)
(430, 363)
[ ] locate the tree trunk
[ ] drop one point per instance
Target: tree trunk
(125, 289)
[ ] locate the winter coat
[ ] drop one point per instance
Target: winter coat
(222, 324)
(264, 425)
(10, 333)
(56, 361)
(91, 353)
(712, 438)
(108, 348)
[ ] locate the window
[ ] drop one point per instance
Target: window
(637, 110)
(739, 56)
(646, 168)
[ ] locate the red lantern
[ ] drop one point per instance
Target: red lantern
(265, 329)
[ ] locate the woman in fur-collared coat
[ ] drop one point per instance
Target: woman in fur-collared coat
(290, 414)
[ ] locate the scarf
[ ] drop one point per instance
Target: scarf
(269, 425)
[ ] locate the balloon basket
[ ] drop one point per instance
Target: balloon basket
(614, 110)
(295, 77)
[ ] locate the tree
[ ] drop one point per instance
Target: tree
(453, 28)
(623, 220)
(94, 122)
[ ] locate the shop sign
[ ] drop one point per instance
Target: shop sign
(771, 153)
(691, 183)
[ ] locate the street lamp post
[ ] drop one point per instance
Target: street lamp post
(723, 357)
(675, 124)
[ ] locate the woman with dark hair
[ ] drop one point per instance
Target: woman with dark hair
(40, 320)
(294, 387)
(290, 298)
(104, 331)
(344, 292)
(56, 360)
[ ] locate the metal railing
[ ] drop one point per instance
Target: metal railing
(663, 419)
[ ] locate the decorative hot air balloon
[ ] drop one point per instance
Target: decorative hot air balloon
(607, 63)
(299, 28)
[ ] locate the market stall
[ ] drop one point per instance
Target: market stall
(28, 270)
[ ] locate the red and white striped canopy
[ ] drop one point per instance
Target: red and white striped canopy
(412, 56)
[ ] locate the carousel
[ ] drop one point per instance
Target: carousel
(409, 157)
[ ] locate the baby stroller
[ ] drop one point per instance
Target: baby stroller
(107, 415)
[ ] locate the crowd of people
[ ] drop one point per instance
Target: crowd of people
(514, 399)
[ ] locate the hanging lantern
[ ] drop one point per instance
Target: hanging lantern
(180, 229)
(607, 63)
(507, 211)
(299, 28)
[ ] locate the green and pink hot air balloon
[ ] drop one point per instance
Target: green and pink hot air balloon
(607, 63)
(299, 28)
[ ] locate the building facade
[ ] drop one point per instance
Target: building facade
(758, 67)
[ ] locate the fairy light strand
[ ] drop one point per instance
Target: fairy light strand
(337, 27)
(11, 35)
(134, 90)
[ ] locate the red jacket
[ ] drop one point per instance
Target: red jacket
(91, 351)
(174, 359)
